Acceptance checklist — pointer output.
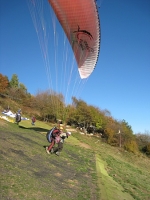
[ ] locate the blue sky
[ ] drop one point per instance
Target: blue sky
(120, 82)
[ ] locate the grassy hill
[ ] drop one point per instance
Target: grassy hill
(87, 168)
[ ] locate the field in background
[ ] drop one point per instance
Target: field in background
(86, 169)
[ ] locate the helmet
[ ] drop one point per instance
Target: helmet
(69, 133)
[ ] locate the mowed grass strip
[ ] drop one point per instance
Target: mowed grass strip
(130, 171)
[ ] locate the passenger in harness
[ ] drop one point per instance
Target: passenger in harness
(59, 148)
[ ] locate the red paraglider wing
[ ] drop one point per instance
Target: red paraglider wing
(80, 21)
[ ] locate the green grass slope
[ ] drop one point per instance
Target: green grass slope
(87, 169)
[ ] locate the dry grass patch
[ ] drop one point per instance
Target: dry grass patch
(3, 123)
(84, 145)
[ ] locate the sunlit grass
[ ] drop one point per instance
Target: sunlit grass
(25, 167)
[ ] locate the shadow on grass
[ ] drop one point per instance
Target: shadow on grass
(35, 129)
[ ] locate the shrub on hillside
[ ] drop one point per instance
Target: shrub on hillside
(131, 146)
(146, 149)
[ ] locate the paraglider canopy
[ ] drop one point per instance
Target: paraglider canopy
(80, 21)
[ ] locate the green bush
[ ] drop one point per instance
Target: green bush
(131, 146)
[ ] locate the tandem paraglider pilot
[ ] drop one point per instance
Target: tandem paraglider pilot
(53, 136)
(56, 136)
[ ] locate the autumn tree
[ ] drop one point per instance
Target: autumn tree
(17, 90)
(4, 83)
(131, 146)
(98, 119)
(111, 131)
(70, 113)
(83, 115)
(14, 82)
(13, 87)
(50, 105)
(143, 141)
(146, 149)
(129, 142)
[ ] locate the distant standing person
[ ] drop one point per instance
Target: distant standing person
(33, 120)
(19, 111)
(61, 126)
(18, 118)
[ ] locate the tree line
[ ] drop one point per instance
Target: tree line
(50, 106)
